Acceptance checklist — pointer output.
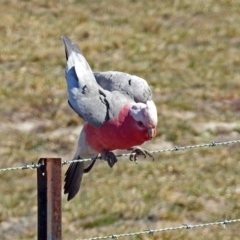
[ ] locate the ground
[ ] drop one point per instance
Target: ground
(188, 51)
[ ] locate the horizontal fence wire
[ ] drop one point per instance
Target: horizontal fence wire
(150, 231)
(24, 167)
(175, 149)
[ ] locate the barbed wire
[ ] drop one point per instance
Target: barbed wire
(24, 167)
(150, 231)
(175, 149)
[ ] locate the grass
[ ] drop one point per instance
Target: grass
(188, 51)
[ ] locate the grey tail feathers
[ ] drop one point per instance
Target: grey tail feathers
(73, 178)
(70, 46)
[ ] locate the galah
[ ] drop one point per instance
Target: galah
(117, 109)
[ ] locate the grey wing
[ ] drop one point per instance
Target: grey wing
(136, 87)
(86, 97)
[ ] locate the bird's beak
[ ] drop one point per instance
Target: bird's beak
(151, 133)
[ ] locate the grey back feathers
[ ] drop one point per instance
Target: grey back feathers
(86, 96)
(136, 87)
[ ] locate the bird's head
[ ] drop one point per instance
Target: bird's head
(145, 116)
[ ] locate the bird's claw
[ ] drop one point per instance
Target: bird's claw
(138, 151)
(110, 158)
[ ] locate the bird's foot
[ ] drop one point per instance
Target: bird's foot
(139, 151)
(110, 158)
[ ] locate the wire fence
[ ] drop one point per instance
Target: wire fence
(175, 149)
(150, 231)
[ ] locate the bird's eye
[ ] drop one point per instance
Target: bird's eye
(140, 123)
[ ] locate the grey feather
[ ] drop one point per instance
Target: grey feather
(84, 93)
(136, 87)
(94, 103)
(70, 47)
(73, 179)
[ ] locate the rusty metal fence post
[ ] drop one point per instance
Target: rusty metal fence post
(49, 199)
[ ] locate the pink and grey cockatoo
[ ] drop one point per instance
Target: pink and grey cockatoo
(118, 111)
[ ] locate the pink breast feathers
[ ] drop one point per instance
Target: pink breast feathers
(122, 132)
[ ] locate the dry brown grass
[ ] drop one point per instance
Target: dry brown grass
(189, 51)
